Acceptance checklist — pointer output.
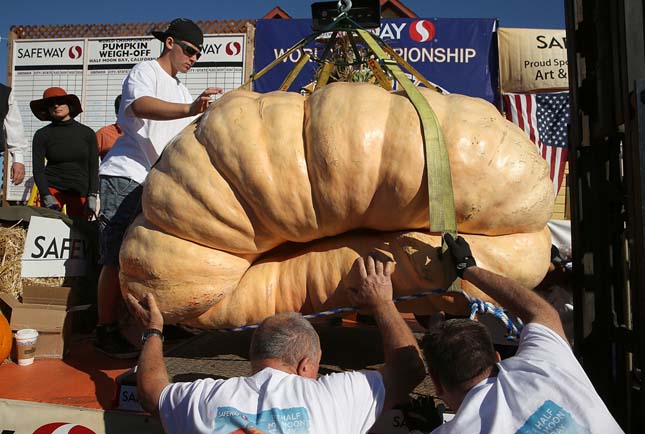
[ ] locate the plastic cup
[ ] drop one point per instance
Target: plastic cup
(26, 346)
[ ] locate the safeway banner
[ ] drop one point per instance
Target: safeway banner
(459, 55)
(39, 54)
(532, 60)
(53, 249)
(27, 417)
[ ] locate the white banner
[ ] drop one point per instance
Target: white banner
(53, 249)
(58, 53)
(222, 48)
(561, 237)
(532, 60)
(24, 417)
(124, 52)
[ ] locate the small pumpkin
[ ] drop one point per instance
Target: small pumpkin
(5, 338)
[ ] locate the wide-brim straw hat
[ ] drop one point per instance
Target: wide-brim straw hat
(40, 107)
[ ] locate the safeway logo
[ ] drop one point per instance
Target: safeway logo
(75, 52)
(63, 428)
(422, 31)
(233, 48)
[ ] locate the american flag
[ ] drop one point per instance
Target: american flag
(544, 118)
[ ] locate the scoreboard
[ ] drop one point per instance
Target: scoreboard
(94, 68)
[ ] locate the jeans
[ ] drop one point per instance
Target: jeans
(120, 204)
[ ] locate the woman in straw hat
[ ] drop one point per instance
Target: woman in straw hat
(70, 175)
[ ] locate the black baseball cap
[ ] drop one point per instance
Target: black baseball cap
(182, 29)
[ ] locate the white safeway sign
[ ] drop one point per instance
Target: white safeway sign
(52, 249)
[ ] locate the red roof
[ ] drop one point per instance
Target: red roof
(399, 7)
(276, 12)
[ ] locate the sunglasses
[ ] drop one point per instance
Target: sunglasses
(188, 50)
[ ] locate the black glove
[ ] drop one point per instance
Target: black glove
(460, 252)
(421, 414)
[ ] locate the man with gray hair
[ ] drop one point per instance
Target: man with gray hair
(284, 394)
(283, 340)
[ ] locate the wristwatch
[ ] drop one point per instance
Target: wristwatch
(150, 332)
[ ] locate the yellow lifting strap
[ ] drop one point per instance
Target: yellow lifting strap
(294, 72)
(381, 78)
(441, 201)
(323, 77)
(270, 66)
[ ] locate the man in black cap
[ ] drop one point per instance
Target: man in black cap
(155, 106)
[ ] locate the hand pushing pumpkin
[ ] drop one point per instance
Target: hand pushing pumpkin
(264, 203)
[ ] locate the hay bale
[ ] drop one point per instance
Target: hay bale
(12, 244)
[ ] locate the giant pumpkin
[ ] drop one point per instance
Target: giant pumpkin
(264, 202)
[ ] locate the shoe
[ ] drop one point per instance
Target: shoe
(110, 342)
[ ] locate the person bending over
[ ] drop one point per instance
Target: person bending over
(542, 388)
(284, 393)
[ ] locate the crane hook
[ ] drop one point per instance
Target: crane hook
(344, 5)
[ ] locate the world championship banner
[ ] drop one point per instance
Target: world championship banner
(532, 60)
(458, 55)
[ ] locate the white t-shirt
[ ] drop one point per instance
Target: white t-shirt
(143, 140)
(274, 401)
(542, 389)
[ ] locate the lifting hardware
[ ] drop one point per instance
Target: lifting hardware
(383, 62)
(344, 5)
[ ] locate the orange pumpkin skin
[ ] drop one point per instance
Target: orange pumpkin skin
(5, 338)
(253, 209)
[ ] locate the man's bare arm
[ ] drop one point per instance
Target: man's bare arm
(523, 302)
(148, 107)
(152, 375)
(519, 300)
(404, 368)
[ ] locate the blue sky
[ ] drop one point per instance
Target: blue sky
(547, 14)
